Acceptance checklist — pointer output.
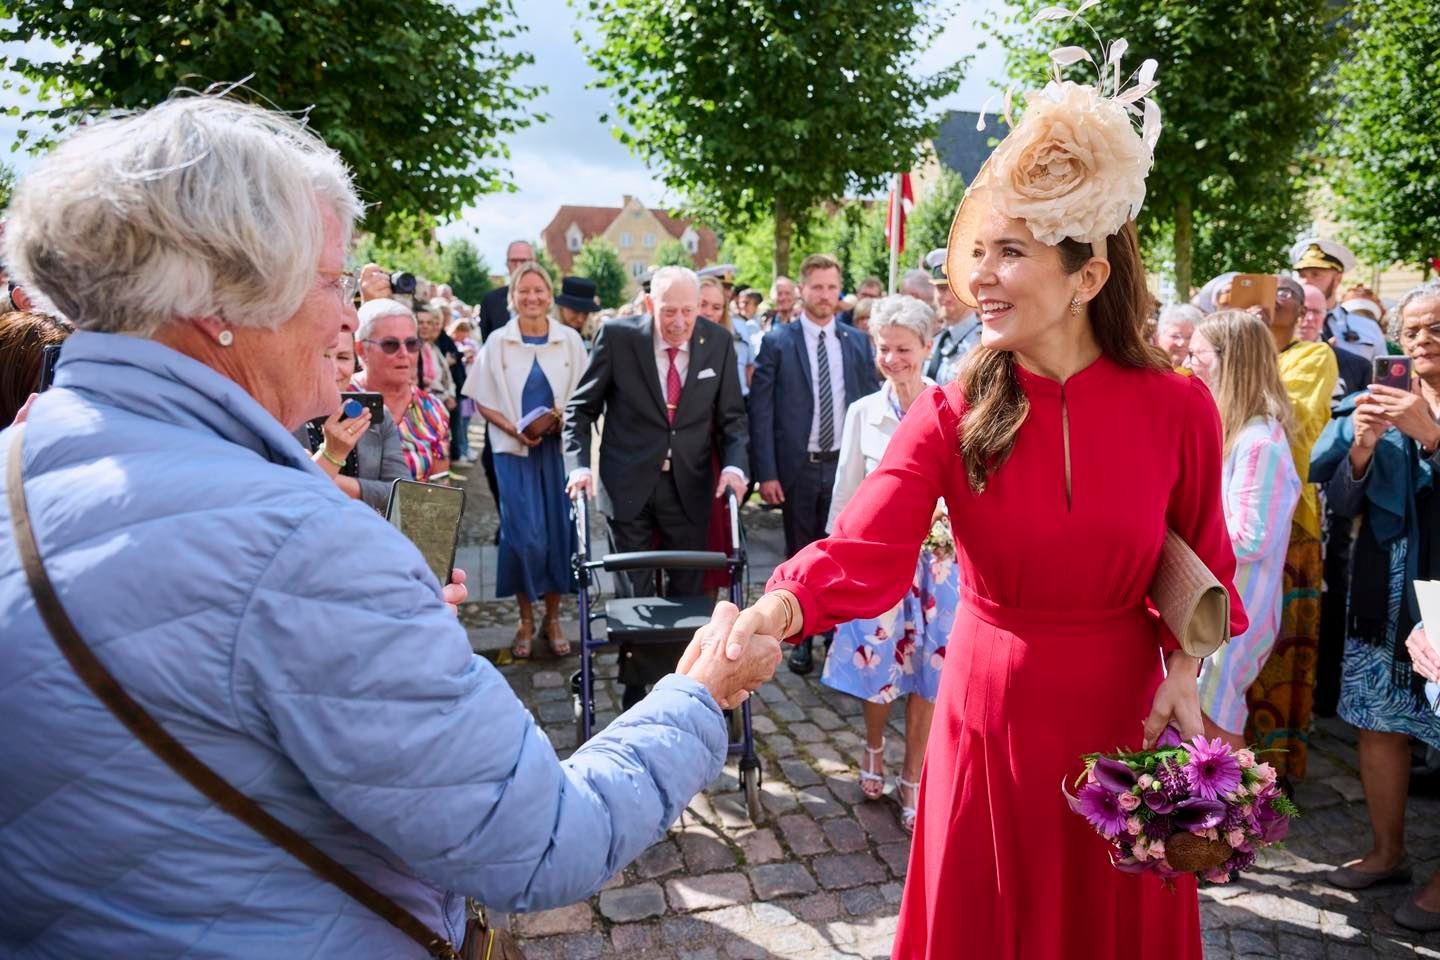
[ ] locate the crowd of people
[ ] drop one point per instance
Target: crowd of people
(927, 449)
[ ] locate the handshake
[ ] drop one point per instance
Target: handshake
(730, 665)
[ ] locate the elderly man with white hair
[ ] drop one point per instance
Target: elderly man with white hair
(1175, 328)
(253, 727)
(669, 389)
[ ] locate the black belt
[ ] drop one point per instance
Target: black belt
(828, 456)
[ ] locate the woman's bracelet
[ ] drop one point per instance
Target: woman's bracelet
(326, 454)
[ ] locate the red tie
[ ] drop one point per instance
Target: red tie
(672, 385)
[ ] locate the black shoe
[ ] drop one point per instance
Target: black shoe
(802, 659)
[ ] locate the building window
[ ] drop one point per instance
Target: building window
(637, 270)
(574, 242)
(691, 240)
(625, 240)
(648, 240)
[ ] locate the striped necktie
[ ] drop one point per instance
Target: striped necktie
(826, 438)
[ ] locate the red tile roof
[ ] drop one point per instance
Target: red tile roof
(593, 221)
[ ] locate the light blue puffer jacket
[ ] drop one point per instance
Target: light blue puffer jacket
(298, 644)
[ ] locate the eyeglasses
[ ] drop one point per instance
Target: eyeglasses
(349, 283)
(391, 345)
(1411, 335)
(1285, 293)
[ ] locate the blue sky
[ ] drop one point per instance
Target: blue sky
(573, 158)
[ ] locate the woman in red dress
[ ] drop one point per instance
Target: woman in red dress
(1064, 451)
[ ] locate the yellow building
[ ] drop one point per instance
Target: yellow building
(633, 229)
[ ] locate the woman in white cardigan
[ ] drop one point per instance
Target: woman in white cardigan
(528, 366)
(899, 653)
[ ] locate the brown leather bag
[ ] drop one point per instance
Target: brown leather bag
(482, 941)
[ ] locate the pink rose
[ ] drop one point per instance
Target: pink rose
(1265, 772)
(1134, 826)
(1128, 802)
(1145, 781)
(1245, 758)
(1157, 849)
(1235, 838)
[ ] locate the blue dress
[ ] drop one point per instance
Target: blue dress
(537, 538)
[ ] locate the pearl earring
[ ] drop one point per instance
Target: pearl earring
(225, 338)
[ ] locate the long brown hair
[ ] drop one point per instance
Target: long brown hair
(996, 404)
(23, 337)
(1249, 385)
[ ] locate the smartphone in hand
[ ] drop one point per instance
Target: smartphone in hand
(429, 515)
(49, 356)
(1393, 371)
(373, 402)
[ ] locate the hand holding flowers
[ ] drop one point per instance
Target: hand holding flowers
(1186, 807)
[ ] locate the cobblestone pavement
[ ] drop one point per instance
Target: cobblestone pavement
(822, 875)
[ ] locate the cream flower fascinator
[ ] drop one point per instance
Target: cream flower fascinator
(1075, 163)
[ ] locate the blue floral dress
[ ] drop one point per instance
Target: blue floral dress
(901, 651)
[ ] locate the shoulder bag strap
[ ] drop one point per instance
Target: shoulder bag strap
(167, 748)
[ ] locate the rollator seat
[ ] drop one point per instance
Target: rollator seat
(655, 619)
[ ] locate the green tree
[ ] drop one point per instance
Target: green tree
(852, 232)
(416, 95)
(466, 271)
(672, 253)
(1385, 145)
(770, 107)
(600, 262)
(1241, 91)
(408, 247)
(928, 227)
(7, 183)
(547, 263)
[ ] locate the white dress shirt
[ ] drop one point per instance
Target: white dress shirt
(835, 359)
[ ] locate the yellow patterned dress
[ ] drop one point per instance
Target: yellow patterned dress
(1282, 697)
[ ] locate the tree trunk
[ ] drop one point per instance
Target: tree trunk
(1184, 247)
(783, 229)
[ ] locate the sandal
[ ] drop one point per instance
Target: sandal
(872, 783)
(559, 646)
(907, 813)
(524, 634)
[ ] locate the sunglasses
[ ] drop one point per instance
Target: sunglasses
(391, 345)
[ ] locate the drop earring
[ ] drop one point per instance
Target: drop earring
(1074, 306)
(225, 338)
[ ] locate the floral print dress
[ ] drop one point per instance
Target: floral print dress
(901, 651)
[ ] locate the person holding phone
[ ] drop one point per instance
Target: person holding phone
(1380, 460)
(388, 342)
(23, 339)
(361, 454)
(531, 366)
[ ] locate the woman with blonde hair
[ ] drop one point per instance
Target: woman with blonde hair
(1234, 354)
(531, 364)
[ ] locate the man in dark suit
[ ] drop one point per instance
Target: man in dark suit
(669, 389)
(494, 314)
(806, 376)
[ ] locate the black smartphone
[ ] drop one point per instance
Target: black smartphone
(1393, 371)
(429, 515)
(49, 356)
(372, 401)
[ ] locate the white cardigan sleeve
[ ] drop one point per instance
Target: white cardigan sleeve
(851, 468)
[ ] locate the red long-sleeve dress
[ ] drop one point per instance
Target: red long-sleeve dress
(1053, 653)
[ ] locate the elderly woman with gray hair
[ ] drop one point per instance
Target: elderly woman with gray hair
(1380, 457)
(1174, 329)
(899, 653)
(324, 768)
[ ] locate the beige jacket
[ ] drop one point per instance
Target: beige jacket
(498, 377)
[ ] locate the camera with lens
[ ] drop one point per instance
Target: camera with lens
(402, 283)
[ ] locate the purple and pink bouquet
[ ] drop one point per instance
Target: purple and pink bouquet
(1197, 808)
